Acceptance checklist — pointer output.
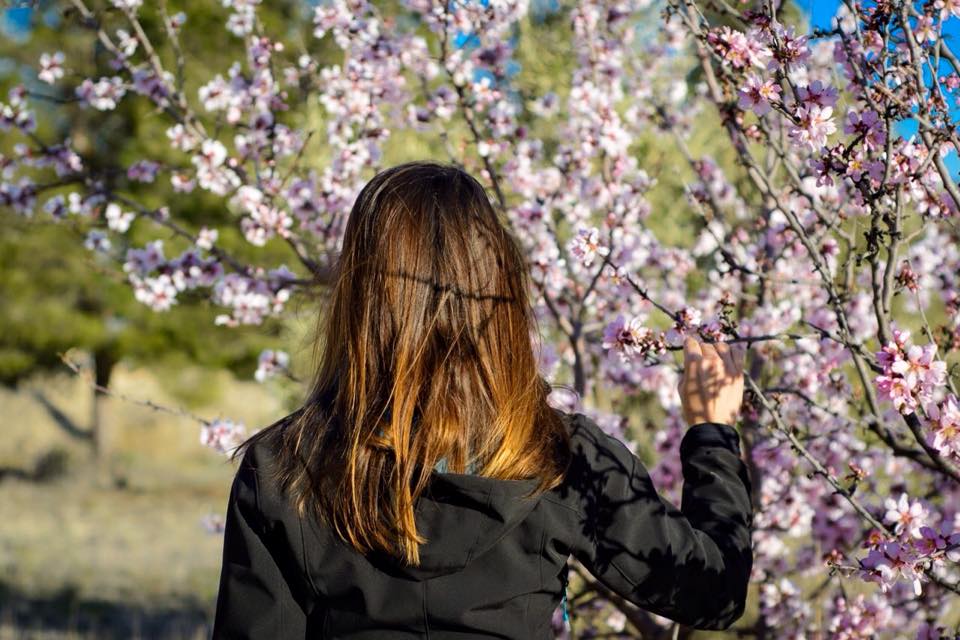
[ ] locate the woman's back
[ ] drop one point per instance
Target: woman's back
(338, 524)
(494, 562)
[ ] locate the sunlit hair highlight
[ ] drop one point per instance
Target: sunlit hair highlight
(424, 352)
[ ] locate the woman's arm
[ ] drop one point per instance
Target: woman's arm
(690, 564)
(254, 601)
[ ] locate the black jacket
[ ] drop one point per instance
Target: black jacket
(493, 566)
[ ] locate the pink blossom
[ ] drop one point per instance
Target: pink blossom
(910, 372)
(104, 94)
(270, 364)
(126, 42)
(739, 49)
(890, 562)
(814, 125)
(250, 300)
(181, 182)
(898, 392)
(215, 95)
(821, 168)
(924, 30)
(867, 124)
(782, 605)
(931, 542)
(859, 618)
(948, 8)
(945, 427)
(181, 138)
(222, 435)
(128, 5)
(97, 240)
(17, 115)
(757, 94)
(930, 631)
(894, 349)
(907, 517)
(117, 220)
(817, 94)
(858, 165)
(586, 245)
(21, 196)
(144, 261)
(213, 523)
(159, 293)
(630, 338)
(213, 153)
(51, 67)
(206, 237)
(792, 52)
(143, 171)
(56, 207)
(919, 368)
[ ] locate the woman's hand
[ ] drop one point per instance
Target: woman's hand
(711, 388)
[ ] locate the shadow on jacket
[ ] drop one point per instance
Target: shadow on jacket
(494, 564)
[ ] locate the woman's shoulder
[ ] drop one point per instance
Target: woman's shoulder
(257, 478)
(259, 456)
(596, 459)
(264, 446)
(588, 439)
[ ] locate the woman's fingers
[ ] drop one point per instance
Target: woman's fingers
(731, 356)
(691, 349)
(723, 351)
(711, 388)
(712, 360)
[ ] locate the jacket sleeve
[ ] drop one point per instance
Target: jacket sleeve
(692, 564)
(254, 601)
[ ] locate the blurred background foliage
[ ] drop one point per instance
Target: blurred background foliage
(109, 495)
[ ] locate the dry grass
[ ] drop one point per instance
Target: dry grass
(131, 560)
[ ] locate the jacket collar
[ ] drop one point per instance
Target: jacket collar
(462, 516)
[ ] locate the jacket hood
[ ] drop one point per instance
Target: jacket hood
(461, 516)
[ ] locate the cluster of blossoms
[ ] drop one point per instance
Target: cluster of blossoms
(270, 364)
(911, 373)
(783, 607)
(860, 618)
(775, 49)
(714, 190)
(104, 94)
(157, 281)
(251, 299)
(222, 435)
(768, 257)
(630, 338)
(916, 547)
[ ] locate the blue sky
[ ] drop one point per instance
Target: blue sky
(821, 12)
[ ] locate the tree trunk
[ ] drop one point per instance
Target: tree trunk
(103, 363)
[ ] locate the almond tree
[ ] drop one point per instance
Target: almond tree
(826, 237)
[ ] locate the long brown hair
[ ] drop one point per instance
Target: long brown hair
(425, 352)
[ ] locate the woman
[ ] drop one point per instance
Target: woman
(426, 489)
